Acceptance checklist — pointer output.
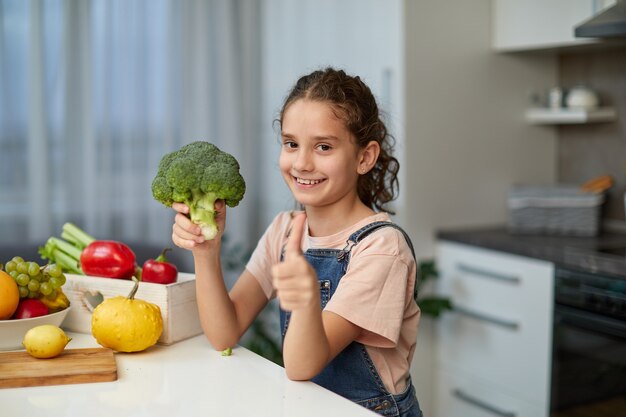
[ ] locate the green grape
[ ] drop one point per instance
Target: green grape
(17, 259)
(54, 270)
(37, 277)
(44, 277)
(33, 294)
(54, 282)
(14, 274)
(33, 269)
(62, 280)
(22, 280)
(10, 266)
(33, 285)
(23, 292)
(52, 295)
(22, 267)
(45, 288)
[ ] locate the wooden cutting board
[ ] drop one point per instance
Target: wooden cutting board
(73, 366)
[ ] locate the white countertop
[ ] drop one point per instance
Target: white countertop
(188, 378)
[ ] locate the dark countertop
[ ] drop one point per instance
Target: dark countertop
(605, 253)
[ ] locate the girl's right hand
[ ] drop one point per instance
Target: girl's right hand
(188, 235)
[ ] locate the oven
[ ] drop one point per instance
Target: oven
(589, 345)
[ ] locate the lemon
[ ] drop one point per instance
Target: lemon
(45, 341)
(126, 324)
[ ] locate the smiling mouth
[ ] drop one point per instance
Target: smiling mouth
(305, 181)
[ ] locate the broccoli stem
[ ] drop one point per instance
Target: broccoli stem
(202, 213)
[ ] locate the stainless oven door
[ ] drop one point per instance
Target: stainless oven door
(588, 364)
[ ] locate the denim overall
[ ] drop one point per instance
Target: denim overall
(351, 373)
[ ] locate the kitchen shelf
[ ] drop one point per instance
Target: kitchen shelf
(545, 116)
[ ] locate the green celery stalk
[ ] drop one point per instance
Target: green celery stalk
(66, 255)
(66, 247)
(74, 234)
(66, 262)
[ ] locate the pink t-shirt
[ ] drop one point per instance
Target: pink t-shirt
(376, 293)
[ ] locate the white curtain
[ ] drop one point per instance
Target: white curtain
(93, 93)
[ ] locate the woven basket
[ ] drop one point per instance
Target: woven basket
(554, 210)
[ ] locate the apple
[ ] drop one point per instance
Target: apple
(29, 308)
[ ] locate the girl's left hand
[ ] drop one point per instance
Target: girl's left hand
(295, 279)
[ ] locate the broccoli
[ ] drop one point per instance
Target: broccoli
(198, 174)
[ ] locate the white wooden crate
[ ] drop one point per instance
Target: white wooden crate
(177, 302)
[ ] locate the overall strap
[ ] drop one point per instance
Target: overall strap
(368, 229)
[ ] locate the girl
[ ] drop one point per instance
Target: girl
(343, 273)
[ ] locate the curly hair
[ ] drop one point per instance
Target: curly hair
(353, 102)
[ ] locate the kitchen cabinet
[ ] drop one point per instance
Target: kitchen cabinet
(462, 395)
(540, 24)
(493, 351)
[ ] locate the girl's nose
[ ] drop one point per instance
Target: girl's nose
(303, 161)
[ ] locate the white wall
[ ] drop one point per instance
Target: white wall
(466, 137)
(364, 37)
(466, 140)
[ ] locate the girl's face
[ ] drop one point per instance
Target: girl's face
(319, 159)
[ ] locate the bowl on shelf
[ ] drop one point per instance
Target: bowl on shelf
(12, 331)
(582, 98)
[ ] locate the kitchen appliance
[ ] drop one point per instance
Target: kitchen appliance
(589, 345)
(608, 23)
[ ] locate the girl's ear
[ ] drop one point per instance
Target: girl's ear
(368, 157)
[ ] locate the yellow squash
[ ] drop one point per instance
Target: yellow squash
(126, 324)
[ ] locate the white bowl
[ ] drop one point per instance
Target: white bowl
(12, 331)
(582, 98)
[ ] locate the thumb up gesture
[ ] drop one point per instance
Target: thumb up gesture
(295, 279)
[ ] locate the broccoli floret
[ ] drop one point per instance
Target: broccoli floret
(198, 174)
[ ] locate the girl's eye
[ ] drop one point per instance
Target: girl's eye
(289, 144)
(324, 147)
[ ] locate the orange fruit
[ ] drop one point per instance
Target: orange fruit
(9, 296)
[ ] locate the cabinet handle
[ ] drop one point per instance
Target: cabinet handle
(486, 318)
(481, 404)
(513, 279)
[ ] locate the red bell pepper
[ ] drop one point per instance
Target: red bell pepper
(159, 270)
(108, 258)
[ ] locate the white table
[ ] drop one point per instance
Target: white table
(188, 378)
